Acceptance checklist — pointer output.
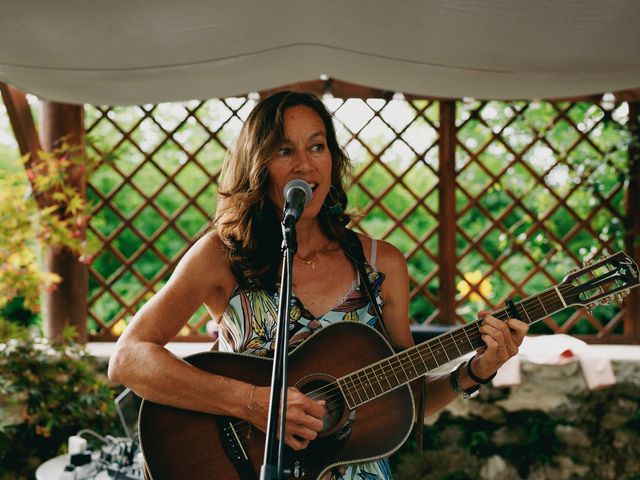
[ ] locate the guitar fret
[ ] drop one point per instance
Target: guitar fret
(461, 341)
(342, 385)
(392, 370)
(444, 349)
(355, 388)
(372, 383)
(521, 305)
(365, 386)
(426, 369)
(368, 386)
(564, 304)
(382, 374)
(435, 359)
(464, 329)
(455, 344)
(403, 371)
(432, 362)
(542, 304)
(413, 373)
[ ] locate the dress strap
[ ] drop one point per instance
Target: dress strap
(374, 252)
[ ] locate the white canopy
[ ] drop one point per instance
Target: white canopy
(148, 51)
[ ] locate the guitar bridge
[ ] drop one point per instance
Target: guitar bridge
(234, 448)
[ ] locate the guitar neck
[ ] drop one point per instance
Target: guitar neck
(375, 380)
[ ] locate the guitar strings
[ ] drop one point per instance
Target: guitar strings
(413, 354)
(332, 393)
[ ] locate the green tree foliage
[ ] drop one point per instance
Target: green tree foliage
(26, 229)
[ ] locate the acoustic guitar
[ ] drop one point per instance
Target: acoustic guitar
(370, 403)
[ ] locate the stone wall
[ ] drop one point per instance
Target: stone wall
(550, 427)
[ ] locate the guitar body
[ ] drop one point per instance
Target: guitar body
(179, 444)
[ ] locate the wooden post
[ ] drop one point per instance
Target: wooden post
(447, 212)
(67, 304)
(632, 240)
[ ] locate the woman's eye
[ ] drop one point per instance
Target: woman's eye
(285, 151)
(318, 147)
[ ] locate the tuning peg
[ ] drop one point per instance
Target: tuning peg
(621, 294)
(589, 308)
(573, 270)
(605, 253)
(605, 300)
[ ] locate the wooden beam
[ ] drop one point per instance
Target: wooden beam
(21, 119)
(67, 304)
(632, 230)
(25, 131)
(447, 212)
(632, 95)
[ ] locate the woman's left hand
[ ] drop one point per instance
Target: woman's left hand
(502, 339)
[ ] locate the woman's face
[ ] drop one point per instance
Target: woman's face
(304, 154)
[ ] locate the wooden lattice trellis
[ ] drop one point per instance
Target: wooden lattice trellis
(561, 179)
(476, 194)
(129, 205)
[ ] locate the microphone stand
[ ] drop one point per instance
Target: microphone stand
(273, 463)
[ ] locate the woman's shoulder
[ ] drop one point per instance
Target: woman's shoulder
(206, 258)
(208, 248)
(387, 255)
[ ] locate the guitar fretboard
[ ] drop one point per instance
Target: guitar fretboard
(379, 378)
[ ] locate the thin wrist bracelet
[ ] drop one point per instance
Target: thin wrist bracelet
(249, 405)
(474, 377)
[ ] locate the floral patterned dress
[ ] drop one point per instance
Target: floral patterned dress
(249, 326)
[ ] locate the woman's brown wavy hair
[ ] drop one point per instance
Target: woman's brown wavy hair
(246, 219)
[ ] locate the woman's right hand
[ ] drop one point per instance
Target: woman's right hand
(304, 415)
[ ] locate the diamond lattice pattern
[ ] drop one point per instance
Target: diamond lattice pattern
(538, 187)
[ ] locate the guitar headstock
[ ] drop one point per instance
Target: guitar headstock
(600, 281)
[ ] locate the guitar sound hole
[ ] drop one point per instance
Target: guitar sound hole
(320, 387)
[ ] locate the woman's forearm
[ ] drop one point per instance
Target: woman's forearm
(154, 373)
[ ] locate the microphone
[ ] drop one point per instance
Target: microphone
(297, 194)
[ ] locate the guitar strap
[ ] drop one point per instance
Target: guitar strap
(352, 247)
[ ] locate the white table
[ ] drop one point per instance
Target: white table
(53, 468)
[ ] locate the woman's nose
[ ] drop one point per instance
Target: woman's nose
(302, 162)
